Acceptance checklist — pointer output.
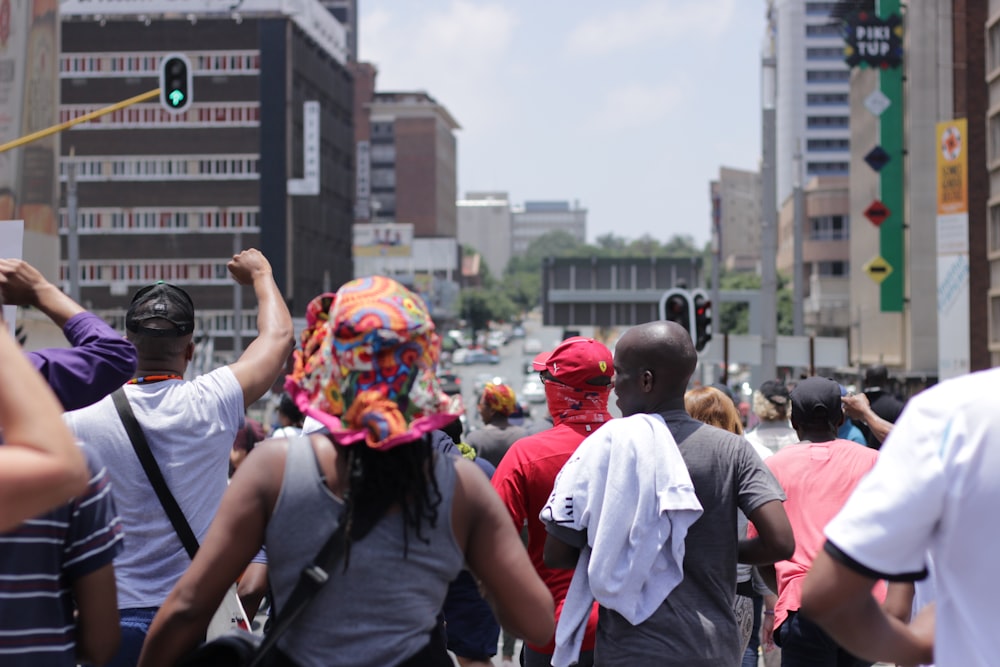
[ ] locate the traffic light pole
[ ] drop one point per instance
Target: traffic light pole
(41, 134)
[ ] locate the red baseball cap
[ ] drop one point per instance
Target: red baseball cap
(578, 362)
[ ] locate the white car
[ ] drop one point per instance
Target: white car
(532, 391)
(532, 346)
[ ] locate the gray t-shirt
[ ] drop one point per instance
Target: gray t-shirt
(492, 442)
(695, 626)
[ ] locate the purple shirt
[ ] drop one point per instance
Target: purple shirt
(99, 362)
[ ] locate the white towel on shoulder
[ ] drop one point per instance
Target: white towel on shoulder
(629, 489)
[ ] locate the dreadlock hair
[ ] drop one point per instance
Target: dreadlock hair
(378, 480)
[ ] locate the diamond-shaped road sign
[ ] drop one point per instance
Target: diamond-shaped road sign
(877, 212)
(877, 158)
(878, 269)
(877, 102)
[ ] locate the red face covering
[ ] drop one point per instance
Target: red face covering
(577, 406)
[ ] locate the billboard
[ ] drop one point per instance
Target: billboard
(383, 239)
(953, 248)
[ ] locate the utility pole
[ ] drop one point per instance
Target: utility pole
(716, 270)
(73, 229)
(769, 216)
(798, 230)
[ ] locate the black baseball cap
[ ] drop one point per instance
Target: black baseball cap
(775, 391)
(816, 400)
(161, 301)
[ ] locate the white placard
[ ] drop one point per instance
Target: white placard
(309, 183)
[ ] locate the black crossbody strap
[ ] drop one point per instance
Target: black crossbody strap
(148, 461)
(312, 578)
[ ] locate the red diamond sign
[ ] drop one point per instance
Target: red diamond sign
(877, 213)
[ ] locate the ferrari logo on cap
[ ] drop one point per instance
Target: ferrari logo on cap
(603, 365)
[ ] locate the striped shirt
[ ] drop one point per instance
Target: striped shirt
(39, 563)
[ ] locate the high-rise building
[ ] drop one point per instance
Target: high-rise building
(346, 11)
(736, 202)
(412, 162)
(813, 82)
(537, 218)
(263, 157)
(484, 225)
(826, 256)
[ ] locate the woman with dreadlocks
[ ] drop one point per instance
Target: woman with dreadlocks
(413, 517)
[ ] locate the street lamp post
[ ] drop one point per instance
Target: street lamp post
(769, 215)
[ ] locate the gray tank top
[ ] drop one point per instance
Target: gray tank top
(381, 611)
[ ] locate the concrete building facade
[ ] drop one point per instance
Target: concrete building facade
(826, 264)
(813, 82)
(413, 158)
(166, 196)
(484, 224)
(736, 202)
(537, 218)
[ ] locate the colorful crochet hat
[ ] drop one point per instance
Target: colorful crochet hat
(499, 398)
(366, 367)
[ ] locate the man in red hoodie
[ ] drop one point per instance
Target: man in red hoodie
(577, 377)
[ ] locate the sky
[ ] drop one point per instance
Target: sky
(627, 106)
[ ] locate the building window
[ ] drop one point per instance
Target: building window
(826, 168)
(824, 30)
(994, 125)
(995, 319)
(828, 75)
(157, 220)
(813, 122)
(824, 53)
(826, 99)
(141, 116)
(994, 231)
(993, 47)
(829, 228)
(821, 145)
(383, 178)
(383, 153)
(832, 269)
(822, 8)
(203, 63)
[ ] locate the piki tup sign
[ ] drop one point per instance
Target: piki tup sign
(873, 41)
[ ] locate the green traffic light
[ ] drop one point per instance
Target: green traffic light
(176, 98)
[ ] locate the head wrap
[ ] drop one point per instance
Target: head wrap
(577, 406)
(499, 398)
(366, 367)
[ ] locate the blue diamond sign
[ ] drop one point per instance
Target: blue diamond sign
(877, 158)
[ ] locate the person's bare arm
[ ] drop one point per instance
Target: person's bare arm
(774, 541)
(252, 588)
(494, 552)
(98, 632)
(857, 407)
(234, 538)
(24, 285)
(558, 554)
(265, 357)
(840, 600)
(41, 466)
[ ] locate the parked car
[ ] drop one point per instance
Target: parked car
(532, 346)
(451, 383)
(517, 331)
(479, 356)
(532, 391)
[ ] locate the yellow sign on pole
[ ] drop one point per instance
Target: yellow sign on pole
(952, 168)
(878, 269)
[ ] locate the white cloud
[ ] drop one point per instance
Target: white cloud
(633, 106)
(453, 54)
(652, 21)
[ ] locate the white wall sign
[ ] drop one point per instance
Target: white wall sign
(309, 183)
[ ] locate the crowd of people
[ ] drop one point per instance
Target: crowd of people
(136, 503)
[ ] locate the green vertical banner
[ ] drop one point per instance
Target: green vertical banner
(891, 185)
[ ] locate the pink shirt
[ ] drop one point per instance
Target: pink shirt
(817, 478)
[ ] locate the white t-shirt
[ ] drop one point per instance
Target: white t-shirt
(936, 490)
(190, 427)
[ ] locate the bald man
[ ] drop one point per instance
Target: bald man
(695, 625)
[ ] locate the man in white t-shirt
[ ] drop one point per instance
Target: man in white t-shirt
(934, 492)
(190, 427)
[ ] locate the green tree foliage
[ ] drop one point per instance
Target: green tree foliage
(479, 306)
(735, 317)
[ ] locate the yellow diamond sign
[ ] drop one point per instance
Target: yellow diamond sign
(878, 269)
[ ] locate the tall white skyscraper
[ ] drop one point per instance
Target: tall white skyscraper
(813, 111)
